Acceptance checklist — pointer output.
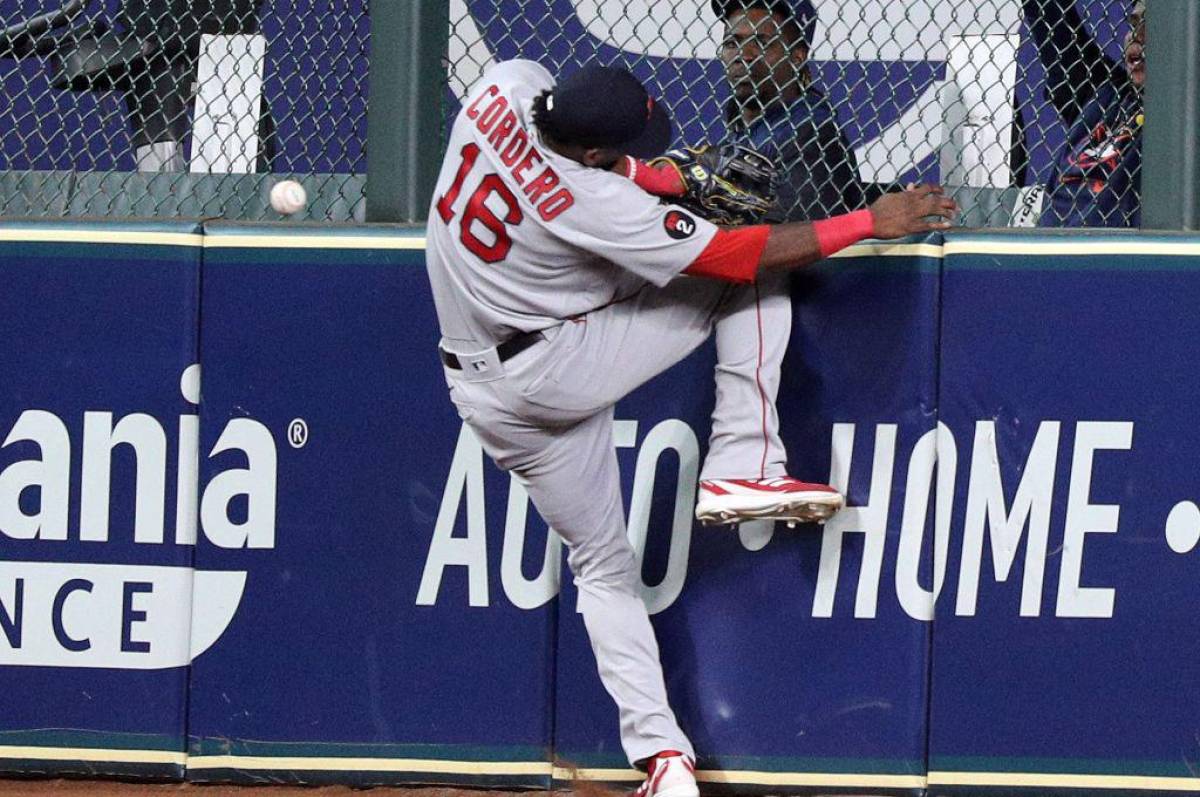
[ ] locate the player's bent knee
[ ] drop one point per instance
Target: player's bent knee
(614, 570)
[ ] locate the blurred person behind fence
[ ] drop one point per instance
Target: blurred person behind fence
(160, 87)
(1096, 179)
(777, 110)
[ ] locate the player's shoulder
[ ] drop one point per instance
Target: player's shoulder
(598, 194)
(520, 71)
(600, 184)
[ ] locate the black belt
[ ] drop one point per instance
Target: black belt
(506, 350)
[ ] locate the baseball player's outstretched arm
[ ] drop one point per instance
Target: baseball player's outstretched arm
(896, 215)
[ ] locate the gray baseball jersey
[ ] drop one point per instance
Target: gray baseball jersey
(521, 238)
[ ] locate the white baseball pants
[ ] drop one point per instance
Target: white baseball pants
(546, 415)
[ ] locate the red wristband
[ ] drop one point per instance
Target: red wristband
(837, 233)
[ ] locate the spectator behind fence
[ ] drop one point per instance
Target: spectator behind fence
(776, 109)
(1096, 181)
(161, 85)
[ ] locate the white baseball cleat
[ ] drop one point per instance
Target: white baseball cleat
(781, 498)
(669, 774)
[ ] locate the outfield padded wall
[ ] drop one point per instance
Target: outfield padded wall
(312, 573)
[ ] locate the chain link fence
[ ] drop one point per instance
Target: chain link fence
(182, 107)
(1027, 110)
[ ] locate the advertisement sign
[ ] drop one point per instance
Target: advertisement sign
(1064, 645)
(243, 533)
(97, 491)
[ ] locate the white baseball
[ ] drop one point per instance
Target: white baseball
(288, 196)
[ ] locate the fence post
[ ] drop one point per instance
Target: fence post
(1171, 154)
(404, 113)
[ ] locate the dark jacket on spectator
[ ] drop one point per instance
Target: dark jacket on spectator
(817, 169)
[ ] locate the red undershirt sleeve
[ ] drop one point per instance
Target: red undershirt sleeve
(658, 180)
(732, 255)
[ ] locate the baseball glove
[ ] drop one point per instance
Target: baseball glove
(729, 185)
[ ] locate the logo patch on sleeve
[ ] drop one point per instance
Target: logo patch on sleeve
(679, 225)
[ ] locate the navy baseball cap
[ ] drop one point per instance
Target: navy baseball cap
(606, 106)
(801, 11)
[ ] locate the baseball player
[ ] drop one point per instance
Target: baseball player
(560, 286)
